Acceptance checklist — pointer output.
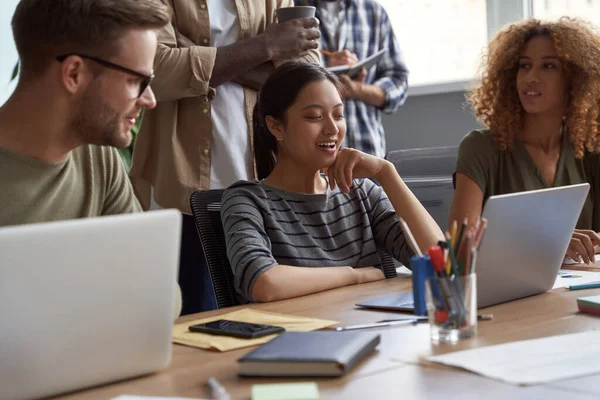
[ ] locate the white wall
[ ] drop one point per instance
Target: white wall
(8, 53)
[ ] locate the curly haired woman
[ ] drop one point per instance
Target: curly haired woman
(539, 96)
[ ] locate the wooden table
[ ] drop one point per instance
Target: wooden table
(381, 376)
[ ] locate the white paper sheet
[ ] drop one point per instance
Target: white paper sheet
(571, 277)
(531, 362)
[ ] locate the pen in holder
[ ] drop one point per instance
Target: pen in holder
(455, 317)
(421, 270)
(451, 292)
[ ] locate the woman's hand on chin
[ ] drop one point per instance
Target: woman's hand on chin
(353, 164)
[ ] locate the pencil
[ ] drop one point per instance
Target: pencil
(480, 233)
(411, 239)
(460, 236)
(451, 243)
(326, 53)
(452, 257)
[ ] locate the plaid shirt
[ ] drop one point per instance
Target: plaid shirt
(364, 28)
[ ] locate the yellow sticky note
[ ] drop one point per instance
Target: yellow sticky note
(291, 323)
(286, 391)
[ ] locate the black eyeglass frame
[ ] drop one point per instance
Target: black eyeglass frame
(146, 79)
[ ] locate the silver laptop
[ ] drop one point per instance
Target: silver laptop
(86, 302)
(527, 237)
(522, 251)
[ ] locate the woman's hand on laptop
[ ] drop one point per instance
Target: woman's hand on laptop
(353, 164)
(583, 245)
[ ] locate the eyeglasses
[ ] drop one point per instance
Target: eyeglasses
(146, 80)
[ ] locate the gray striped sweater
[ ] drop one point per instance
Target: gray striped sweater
(265, 226)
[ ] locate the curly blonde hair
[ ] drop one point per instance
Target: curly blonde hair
(495, 99)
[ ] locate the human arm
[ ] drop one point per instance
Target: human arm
(286, 281)
(475, 174)
(255, 77)
(467, 201)
(251, 61)
(279, 42)
(351, 164)
(357, 89)
(387, 84)
(386, 87)
(194, 70)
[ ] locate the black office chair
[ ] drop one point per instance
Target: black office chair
(428, 174)
(206, 208)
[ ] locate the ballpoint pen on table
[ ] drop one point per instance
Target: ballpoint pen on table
(591, 285)
(411, 321)
(480, 317)
(217, 391)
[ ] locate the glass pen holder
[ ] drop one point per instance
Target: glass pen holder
(452, 307)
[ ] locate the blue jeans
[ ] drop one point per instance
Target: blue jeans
(194, 278)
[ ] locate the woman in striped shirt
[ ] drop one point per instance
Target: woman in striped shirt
(298, 231)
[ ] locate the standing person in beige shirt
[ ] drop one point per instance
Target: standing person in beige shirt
(210, 62)
(86, 67)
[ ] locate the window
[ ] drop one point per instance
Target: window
(8, 53)
(441, 39)
(554, 9)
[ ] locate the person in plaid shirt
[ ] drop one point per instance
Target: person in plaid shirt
(352, 30)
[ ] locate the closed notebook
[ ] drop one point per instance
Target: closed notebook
(589, 304)
(324, 353)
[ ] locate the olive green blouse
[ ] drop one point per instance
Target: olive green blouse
(513, 170)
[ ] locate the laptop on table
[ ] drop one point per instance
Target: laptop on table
(86, 302)
(523, 248)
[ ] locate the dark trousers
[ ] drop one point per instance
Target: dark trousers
(194, 277)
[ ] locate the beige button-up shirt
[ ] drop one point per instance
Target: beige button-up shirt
(172, 153)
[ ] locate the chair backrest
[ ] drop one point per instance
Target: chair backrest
(428, 174)
(206, 208)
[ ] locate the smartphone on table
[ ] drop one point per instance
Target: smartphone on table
(237, 329)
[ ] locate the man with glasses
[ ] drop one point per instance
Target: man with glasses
(211, 60)
(86, 67)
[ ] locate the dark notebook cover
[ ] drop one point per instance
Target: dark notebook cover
(322, 353)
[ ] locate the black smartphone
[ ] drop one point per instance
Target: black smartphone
(235, 328)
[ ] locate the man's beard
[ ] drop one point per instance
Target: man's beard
(97, 122)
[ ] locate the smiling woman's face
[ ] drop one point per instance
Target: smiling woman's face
(314, 126)
(541, 80)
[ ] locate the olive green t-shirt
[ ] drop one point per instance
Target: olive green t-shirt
(91, 182)
(502, 172)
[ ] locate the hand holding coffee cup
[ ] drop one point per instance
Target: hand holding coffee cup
(294, 35)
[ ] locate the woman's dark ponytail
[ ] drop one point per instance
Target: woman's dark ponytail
(277, 95)
(265, 144)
